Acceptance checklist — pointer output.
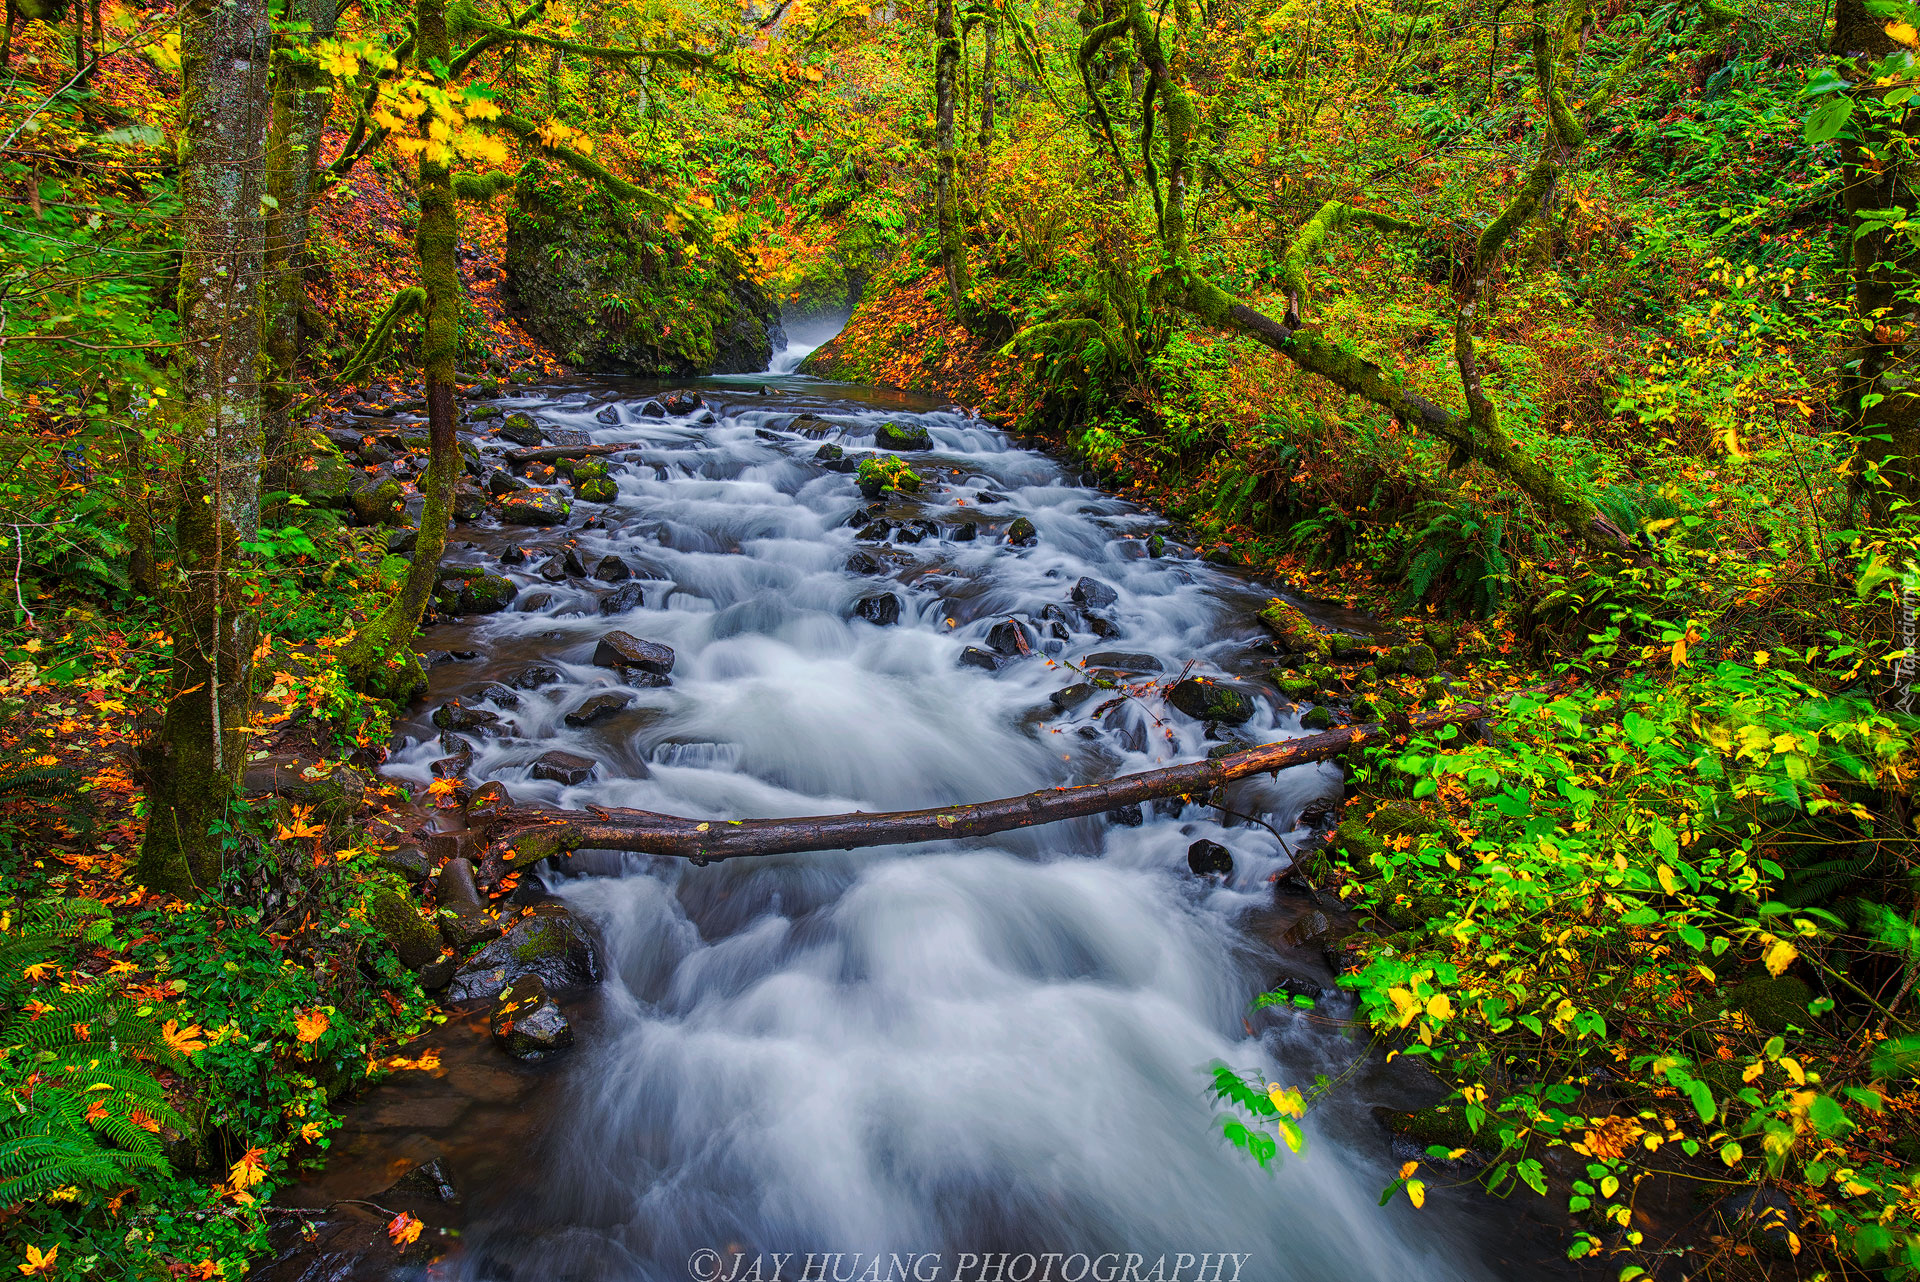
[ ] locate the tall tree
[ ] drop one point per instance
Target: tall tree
(946, 70)
(195, 761)
(301, 96)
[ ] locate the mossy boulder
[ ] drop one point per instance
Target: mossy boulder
(1417, 660)
(327, 480)
(1373, 707)
(391, 912)
(891, 436)
(473, 593)
(1296, 685)
(1772, 1003)
(614, 291)
(1357, 842)
(1021, 533)
(521, 430)
(1292, 630)
(1441, 1124)
(597, 489)
(378, 501)
(1208, 700)
(1316, 719)
(535, 507)
(551, 943)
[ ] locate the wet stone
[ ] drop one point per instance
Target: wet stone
(519, 429)
(1009, 638)
(876, 532)
(625, 652)
(1206, 700)
(1205, 858)
(629, 596)
(527, 1022)
(892, 436)
(609, 416)
(1021, 533)
(653, 409)
(974, 657)
(550, 942)
(965, 533)
(684, 403)
(1092, 594)
(598, 708)
(1126, 816)
(1123, 661)
(455, 715)
(611, 569)
(882, 609)
(534, 602)
(535, 507)
(862, 563)
(567, 768)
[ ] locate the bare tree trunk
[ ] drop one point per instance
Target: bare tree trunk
(195, 762)
(527, 836)
(300, 102)
(946, 67)
(380, 658)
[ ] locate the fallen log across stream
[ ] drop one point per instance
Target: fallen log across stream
(524, 835)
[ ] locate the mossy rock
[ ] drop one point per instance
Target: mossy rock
(379, 502)
(474, 593)
(1415, 660)
(1293, 630)
(1440, 1124)
(597, 489)
(1022, 534)
(327, 481)
(1373, 707)
(1206, 700)
(605, 282)
(1397, 819)
(891, 436)
(521, 430)
(391, 912)
(582, 469)
(1317, 718)
(1442, 637)
(483, 413)
(1296, 686)
(1357, 842)
(1772, 1003)
(534, 507)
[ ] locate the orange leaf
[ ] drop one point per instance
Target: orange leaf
(404, 1229)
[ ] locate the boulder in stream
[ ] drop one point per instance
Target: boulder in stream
(565, 768)
(1204, 699)
(1021, 533)
(1208, 858)
(520, 430)
(1092, 594)
(535, 675)
(611, 569)
(598, 708)
(629, 596)
(881, 609)
(630, 656)
(891, 436)
(527, 1022)
(535, 507)
(550, 942)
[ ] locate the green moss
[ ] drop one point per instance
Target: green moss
(1355, 840)
(1772, 1003)
(1440, 1125)
(390, 911)
(1317, 719)
(1293, 630)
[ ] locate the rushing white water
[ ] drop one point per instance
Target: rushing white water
(993, 1045)
(803, 338)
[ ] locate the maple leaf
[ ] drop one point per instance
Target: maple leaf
(300, 826)
(249, 1170)
(96, 1111)
(308, 1025)
(186, 1041)
(38, 971)
(38, 1261)
(207, 1269)
(404, 1229)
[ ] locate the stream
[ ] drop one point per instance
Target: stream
(998, 1045)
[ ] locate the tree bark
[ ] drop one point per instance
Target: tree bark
(380, 658)
(300, 101)
(946, 68)
(986, 82)
(529, 835)
(195, 762)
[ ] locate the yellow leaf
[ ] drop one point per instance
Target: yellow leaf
(249, 1170)
(1752, 1071)
(404, 1229)
(1761, 658)
(1667, 881)
(1902, 33)
(1287, 1099)
(1439, 1007)
(309, 1025)
(1408, 1168)
(1794, 1070)
(186, 1041)
(1416, 1193)
(1290, 1132)
(1779, 957)
(39, 1261)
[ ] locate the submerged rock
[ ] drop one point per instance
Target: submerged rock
(598, 708)
(882, 609)
(1206, 858)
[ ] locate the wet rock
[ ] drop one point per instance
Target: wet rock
(1415, 660)
(1072, 696)
(458, 894)
(490, 801)
(1156, 544)
(501, 482)
(1206, 858)
(1316, 719)
(966, 532)
(653, 409)
(1126, 816)
(611, 569)
(514, 555)
(457, 762)
(1292, 630)
(629, 596)
(534, 602)
(909, 532)
(881, 609)
(567, 768)
(553, 569)
(535, 507)
(609, 416)
(974, 657)
(628, 654)
(598, 489)
(598, 708)
(469, 504)
(813, 427)
(1316, 925)
(987, 497)
(390, 911)
(570, 436)
(474, 593)
(407, 863)
(863, 563)
(1092, 594)
(875, 531)
(1102, 627)
(428, 1180)
(400, 542)
(1207, 700)
(891, 436)
(1123, 661)
(1009, 638)
(535, 675)
(550, 942)
(498, 695)
(1021, 533)
(527, 1022)
(455, 715)
(684, 402)
(521, 430)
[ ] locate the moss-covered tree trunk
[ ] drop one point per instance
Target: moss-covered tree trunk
(195, 762)
(946, 70)
(380, 658)
(300, 101)
(990, 29)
